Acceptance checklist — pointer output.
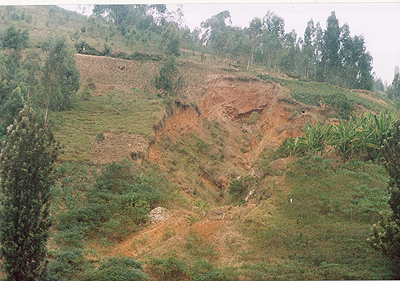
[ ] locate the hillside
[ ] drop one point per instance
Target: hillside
(194, 187)
(200, 147)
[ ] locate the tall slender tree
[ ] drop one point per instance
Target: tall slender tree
(216, 31)
(255, 31)
(330, 48)
(26, 176)
(60, 76)
(394, 88)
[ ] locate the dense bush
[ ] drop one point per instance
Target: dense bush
(137, 56)
(386, 233)
(170, 269)
(174, 269)
(168, 79)
(117, 269)
(116, 202)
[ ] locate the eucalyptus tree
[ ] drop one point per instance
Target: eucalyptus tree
(310, 48)
(394, 89)
(216, 30)
(171, 40)
(255, 31)
(355, 62)
(330, 60)
(274, 37)
(61, 76)
(364, 78)
(290, 56)
(114, 13)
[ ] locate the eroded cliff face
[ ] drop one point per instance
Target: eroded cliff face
(230, 100)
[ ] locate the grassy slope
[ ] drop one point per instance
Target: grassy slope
(114, 112)
(322, 232)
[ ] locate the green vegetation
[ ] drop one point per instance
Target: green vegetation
(385, 236)
(320, 223)
(340, 100)
(199, 266)
(60, 77)
(27, 161)
(305, 217)
(113, 112)
(168, 80)
(115, 204)
(361, 137)
(118, 269)
(102, 209)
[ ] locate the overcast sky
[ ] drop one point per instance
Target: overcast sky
(379, 23)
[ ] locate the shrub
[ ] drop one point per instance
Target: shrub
(168, 80)
(66, 263)
(117, 269)
(386, 233)
(170, 269)
(88, 89)
(87, 217)
(237, 189)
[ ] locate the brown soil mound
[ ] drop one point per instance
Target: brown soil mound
(117, 147)
(182, 121)
(233, 98)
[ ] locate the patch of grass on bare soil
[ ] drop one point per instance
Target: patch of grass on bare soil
(113, 112)
(315, 93)
(321, 223)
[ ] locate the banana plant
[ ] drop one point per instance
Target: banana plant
(346, 138)
(315, 138)
(295, 146)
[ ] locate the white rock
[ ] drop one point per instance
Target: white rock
(158, 214)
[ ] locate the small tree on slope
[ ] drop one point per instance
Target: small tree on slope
(386, 233)
(26, 176)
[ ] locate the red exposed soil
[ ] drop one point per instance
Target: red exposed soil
(171, 235)
(182, 121)
(233, 99)
(230, 98)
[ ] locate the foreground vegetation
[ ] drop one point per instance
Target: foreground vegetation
(315, 226)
